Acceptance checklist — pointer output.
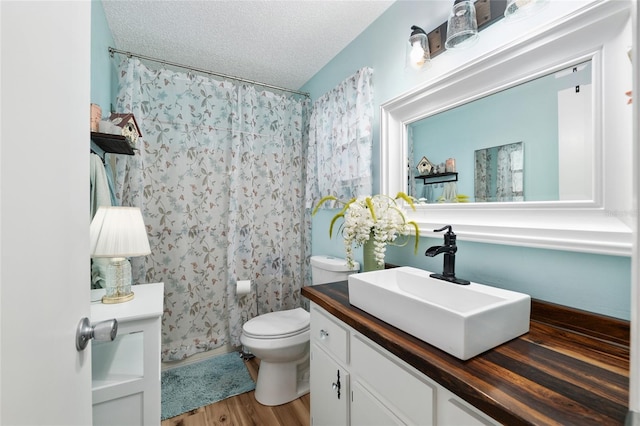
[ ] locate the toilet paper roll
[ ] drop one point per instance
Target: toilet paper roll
(243, 287)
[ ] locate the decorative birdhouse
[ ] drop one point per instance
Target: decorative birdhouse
(424, 166)
(130, 130)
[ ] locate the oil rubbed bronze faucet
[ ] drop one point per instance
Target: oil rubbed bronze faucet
(449, 249)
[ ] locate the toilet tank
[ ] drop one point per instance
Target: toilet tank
(329, 269)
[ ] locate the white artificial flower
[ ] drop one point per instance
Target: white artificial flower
(379, 217)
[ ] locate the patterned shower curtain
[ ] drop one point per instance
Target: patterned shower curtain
(219, 176)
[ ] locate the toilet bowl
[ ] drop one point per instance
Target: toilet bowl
(281, 341)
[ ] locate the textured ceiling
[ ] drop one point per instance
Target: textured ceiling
(282, 43)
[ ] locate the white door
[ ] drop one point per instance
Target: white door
(575, 143)
(634, 379)
(44, 214)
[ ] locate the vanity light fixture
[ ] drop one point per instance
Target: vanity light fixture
(418, 56)
(521, 8)
(118, 233)
(467, 19)
(462, 27)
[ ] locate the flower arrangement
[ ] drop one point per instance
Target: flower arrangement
(378, 218)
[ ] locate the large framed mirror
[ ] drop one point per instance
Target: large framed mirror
(567, 166)
(530, 142)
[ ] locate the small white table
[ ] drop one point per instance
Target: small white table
(126, 372)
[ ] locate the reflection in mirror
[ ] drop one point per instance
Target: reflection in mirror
(551, 119)
(499, 173)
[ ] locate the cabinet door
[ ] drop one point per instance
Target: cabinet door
(368, 411)
(453, 411)
(403, 390)
(329, 390)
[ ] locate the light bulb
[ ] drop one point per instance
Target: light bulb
(417, 55)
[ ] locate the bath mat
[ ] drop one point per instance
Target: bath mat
(202, 383)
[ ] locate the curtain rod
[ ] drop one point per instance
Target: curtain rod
(190, 68)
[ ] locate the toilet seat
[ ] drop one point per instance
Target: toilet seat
(277, 325)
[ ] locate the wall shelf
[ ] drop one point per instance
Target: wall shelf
(439, 178)
(115, 144)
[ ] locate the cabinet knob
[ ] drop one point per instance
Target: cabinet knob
(324, 334)
(103, 331)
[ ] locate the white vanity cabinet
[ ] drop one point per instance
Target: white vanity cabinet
(125, 373)
(377, 388)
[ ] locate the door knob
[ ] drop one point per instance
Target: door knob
(102, 331)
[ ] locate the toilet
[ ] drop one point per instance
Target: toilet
(281, 340)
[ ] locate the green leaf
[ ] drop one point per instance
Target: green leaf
(322, 201)
(336, 217)
(370, 205)
(406, 198)
(415, 226)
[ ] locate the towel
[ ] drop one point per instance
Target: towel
(450, 192)
(100, 196)
(111, 184)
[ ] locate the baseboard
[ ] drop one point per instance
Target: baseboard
(201, 356)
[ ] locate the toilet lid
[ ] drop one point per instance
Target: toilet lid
(278, 324)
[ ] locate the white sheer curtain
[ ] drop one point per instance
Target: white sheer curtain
(340, 140)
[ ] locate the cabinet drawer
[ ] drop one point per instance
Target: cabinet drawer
(403, 391)
(329, 335)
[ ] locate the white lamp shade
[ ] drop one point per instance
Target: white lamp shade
(118, 232)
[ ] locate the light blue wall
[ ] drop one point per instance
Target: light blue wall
(103, 75)
(592, 282)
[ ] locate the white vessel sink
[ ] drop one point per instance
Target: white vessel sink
(463, 320)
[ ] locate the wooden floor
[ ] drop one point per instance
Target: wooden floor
(244, 410)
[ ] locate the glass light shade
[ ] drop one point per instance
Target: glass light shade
(462, 26)
(418, 55)
(118, 233)
(522, 8)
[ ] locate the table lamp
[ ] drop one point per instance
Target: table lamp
(118, 233)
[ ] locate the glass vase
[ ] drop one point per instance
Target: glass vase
(369, 256)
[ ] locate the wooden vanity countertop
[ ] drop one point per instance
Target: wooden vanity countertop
(571, 368)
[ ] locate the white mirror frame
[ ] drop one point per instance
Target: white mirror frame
(600, 225)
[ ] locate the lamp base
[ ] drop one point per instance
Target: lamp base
(118, 282)
(117, 299)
